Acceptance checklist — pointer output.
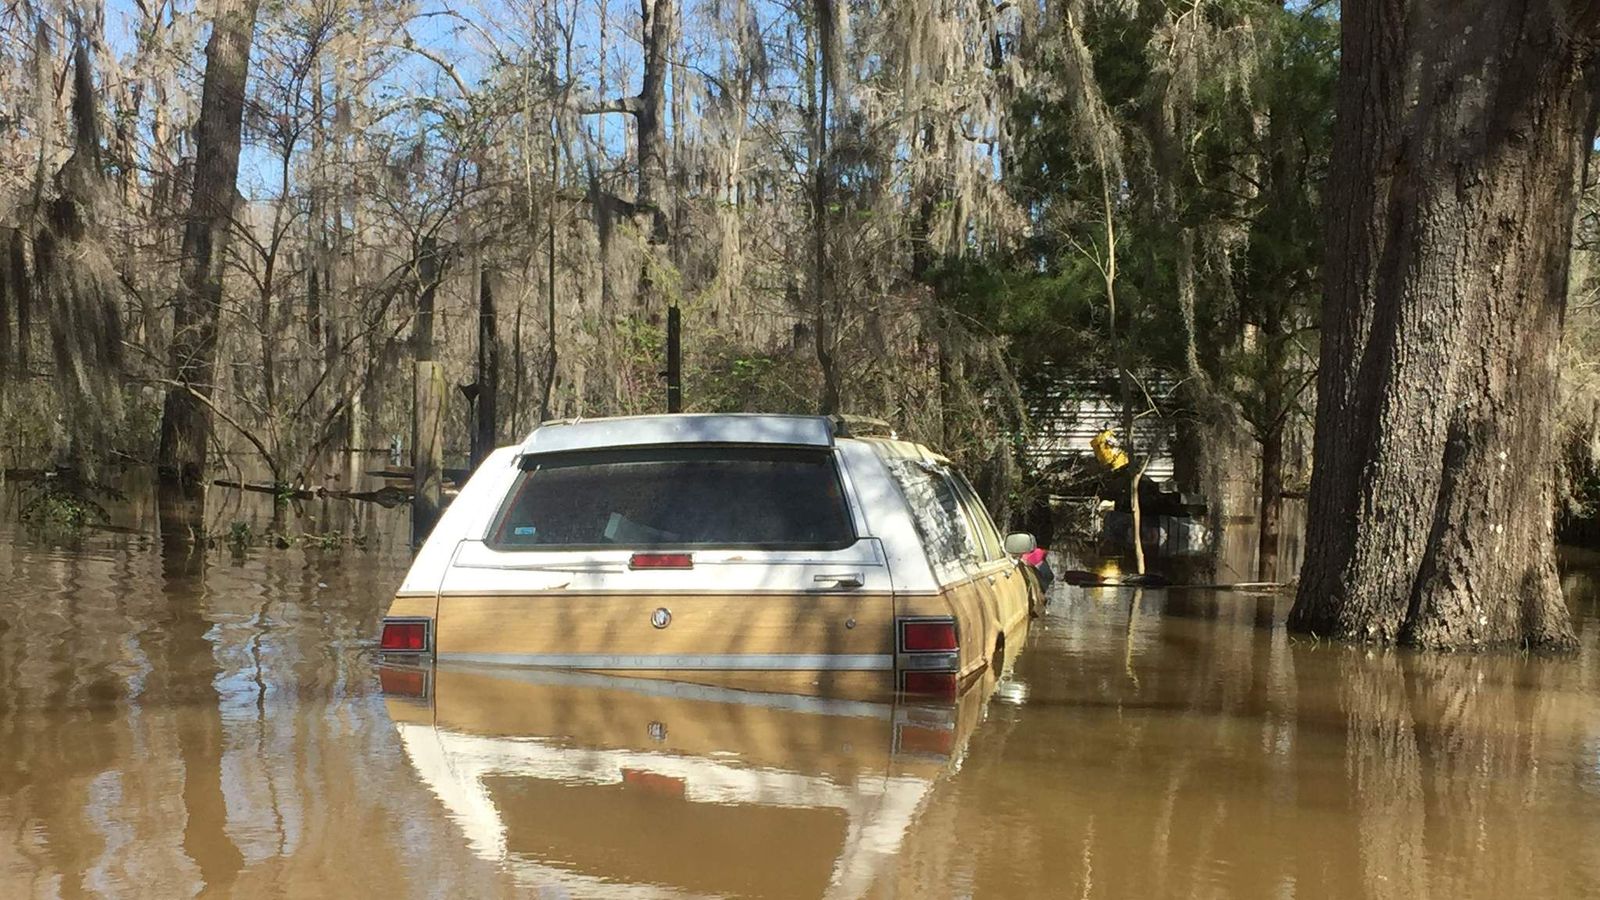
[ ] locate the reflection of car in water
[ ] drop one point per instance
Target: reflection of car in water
(590, 785)
(717, 543)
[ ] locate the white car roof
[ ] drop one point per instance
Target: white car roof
(690, 428)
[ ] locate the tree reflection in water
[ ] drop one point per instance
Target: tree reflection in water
(1236, 762)
(190, 671)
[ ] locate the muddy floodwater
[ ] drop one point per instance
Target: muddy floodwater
(176, 723)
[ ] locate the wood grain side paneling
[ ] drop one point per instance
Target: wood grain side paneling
(413, 605)
(556, 624)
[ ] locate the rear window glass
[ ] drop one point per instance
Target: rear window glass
(757, 497)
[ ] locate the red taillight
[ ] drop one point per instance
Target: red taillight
(661, 561)
(937, 684)
(405, 636)
(919, 637)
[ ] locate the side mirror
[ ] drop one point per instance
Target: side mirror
(1020, 543)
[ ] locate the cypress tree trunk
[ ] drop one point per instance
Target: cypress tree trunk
(823, 315)
(1460, 129)
(656, 17)
(186, 417)
(428, 275)
(548, 387)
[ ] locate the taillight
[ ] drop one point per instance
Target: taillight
(404, 636)
(928, 655)
(921, 636)
(661, 561)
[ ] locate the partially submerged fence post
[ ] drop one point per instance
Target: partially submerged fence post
(427, 449)
(484, 412)
(674, 371)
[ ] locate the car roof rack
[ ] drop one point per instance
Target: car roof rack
(851, 426)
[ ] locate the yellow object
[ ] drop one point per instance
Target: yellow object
(1106, 450)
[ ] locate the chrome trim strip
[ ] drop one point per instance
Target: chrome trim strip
(934, 661)
(833, 662)
(819, 705)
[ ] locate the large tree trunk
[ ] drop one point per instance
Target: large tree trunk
(824, 317)
(186, 417)
(547, 388)
(655, 193)
(429, 272)
(657, 17)
(1460, 129)
(1276, 290)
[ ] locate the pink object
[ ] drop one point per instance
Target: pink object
(1034, 557)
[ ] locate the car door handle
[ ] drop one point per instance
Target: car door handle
(841, 579)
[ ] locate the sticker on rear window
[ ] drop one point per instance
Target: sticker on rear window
(524, 531)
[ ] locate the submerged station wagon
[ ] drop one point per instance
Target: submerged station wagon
(748, 546)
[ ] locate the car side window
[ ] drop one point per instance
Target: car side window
(936, 511)
(988, 536)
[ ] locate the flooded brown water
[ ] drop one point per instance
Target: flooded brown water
(174, 724)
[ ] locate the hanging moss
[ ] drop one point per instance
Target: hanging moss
(20, 290)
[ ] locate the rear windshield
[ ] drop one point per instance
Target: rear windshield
(753, 497)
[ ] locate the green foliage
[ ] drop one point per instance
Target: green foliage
(1222, 153)
(64, 504)
(1277, 276)
(726, 377)
(637, 366)
(240, 536)
(324, 541)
